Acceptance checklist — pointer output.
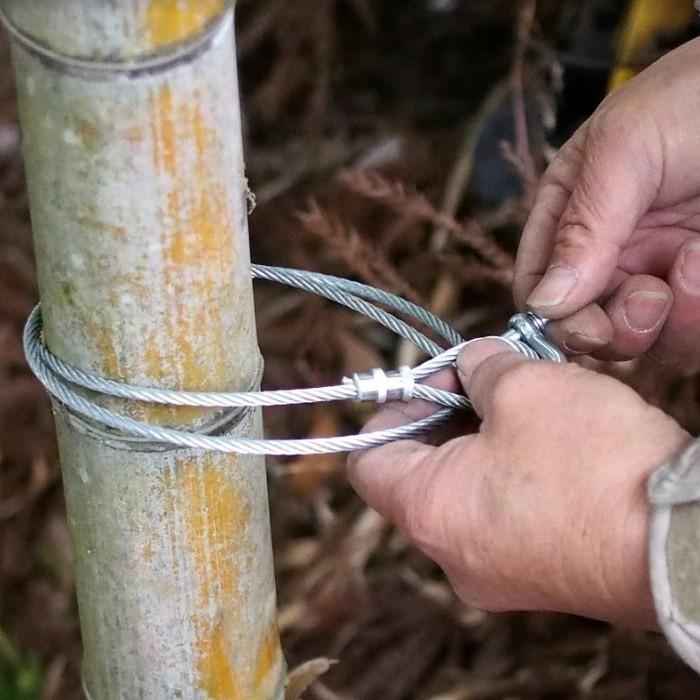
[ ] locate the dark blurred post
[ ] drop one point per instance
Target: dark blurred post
(138, 199)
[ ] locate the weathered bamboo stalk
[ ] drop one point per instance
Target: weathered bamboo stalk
(137, 190)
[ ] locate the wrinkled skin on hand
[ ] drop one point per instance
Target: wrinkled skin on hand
(545, 508)
(616, 222)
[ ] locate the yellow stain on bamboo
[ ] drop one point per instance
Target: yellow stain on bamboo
(198, 234)
(198, 239)
(217, 517)
(171, 21)
(199, 242)
(268, 660)
(105, 349)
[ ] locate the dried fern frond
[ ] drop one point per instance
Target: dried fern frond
(408, 202)
(360, 256)
(473, 273)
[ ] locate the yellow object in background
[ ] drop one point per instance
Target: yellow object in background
(645, 21)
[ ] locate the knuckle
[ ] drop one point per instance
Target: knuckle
(614, 122)
(585, 206)
(635, 134)
(556, 173)
(565, 165)
(551, 195)
(560, 173)
(606, 133)
(578, 231)
(530, 383)
(607, 126)
(575, 232)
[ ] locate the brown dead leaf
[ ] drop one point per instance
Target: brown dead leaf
(304, 676)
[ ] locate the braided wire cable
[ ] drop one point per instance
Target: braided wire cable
(333, 288)
(62, 379)
(392, 301)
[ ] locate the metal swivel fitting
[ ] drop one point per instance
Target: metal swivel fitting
(529, 329)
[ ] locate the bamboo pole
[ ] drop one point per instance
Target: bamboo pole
(137, 191)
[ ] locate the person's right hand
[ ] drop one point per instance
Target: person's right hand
(612, 246)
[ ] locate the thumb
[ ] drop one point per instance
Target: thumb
(483, 368)
(620, 175)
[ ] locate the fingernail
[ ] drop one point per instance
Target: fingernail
(690, 268)
(582, 344)
(553, 289)
(476, 353)
(643, 311)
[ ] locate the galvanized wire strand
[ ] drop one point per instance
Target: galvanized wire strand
(89, 410)
(40, 360)
(229, 443)
(40, 357)
(449, 357)
(59, 378)
(297, 278)
(336, 290)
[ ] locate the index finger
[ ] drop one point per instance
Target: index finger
(539, 234)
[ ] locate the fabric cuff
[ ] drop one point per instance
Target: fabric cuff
(674, 551)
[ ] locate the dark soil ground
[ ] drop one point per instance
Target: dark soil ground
(397, 143)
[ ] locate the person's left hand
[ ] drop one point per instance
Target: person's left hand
(545, 508)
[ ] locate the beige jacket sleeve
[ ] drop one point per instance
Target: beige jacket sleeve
(674, 551)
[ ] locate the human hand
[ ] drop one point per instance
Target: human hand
(545, 508)
(616, 224)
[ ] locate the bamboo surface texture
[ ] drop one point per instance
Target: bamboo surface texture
(138, 200)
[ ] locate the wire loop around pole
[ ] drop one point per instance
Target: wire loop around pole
(63, 381)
